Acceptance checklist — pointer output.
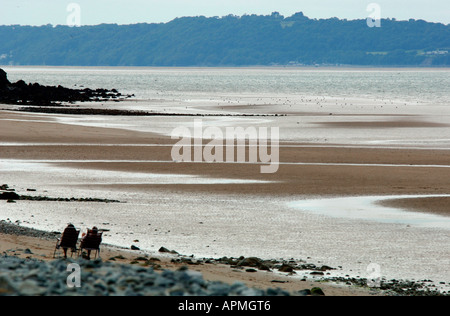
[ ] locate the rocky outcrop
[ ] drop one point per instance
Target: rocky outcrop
(9, 194)
(4, 82)
(21, 93)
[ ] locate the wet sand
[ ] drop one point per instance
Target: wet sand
(436, 205)
(314, 170)
(410, 123)
(305, 169)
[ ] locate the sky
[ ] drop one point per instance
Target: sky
(93, 12)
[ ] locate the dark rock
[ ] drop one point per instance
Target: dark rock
(141, 259)
(119, 257)
(35, 94)
(304, 292)
(250, 262)
(325, 268)
(253, 262)
(317, 291)
(230, 261)
(9, 196)
(164, 249)
(286, 268)
(278, 281)
(264, 267)
(133, 247)
(308, 266)
(316, 273)
(190, 261)
(4, 82)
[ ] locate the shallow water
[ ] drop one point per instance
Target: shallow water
(49, 173)
(367, 208)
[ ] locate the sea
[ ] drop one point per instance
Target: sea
(423, 85)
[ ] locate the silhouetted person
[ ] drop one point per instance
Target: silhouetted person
(92, 234)
(66, 236)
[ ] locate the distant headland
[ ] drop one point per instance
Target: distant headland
(232, 41)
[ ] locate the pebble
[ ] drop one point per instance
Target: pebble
(31, 277)
(6, 227)
(108, 278)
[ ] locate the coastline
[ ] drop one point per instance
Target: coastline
(32, 244)
(306, 67)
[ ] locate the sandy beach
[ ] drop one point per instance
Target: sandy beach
(314, 170)
(43, 249)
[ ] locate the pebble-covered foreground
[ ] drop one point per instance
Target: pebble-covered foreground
(31, 277)
(34, 277)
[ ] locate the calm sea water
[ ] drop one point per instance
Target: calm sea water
(424, 86)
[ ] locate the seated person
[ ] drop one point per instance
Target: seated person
(67, 238)
(92, 235)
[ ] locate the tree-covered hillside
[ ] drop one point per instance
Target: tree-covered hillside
(230, 41)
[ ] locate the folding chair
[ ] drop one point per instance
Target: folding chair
(68, 240)
(91, 242)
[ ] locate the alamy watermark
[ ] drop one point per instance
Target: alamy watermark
(74, 17)
(374, 18)
(74, 278)
(231, 144)
(374, 277)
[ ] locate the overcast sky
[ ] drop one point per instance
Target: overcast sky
(92, 12)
